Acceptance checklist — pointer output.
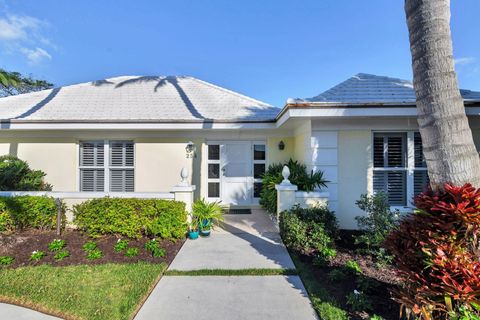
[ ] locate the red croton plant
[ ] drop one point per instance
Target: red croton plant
(437, 252)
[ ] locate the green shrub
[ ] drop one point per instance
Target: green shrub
(337, 275)
(352, 266)
(22, 212)
(153, 246)
(89, 246)
(62, 254)
(120, 245)
(131, 252)
(359, 301)
(306, 181)
(16, 175)
(94, 254)
(56, 245)
(378, 222)
(132, 217)
(37, 255)
(308, 231)
(6, 260)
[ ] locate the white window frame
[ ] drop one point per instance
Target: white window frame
(214, 180)
(256, 180)
(409, 168)
(106, 162)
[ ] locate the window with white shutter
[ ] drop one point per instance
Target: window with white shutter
(92, 166)
(122, 166)
(390, 166)
(420, 173)
(394, 173)
(106, 166)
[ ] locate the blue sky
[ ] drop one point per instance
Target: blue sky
(270, 50)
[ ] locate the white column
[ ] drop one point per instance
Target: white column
(184, 192)
(285, 193)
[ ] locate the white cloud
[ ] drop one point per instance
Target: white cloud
(37, 55)
(14, 27)
(464, 61)
(21, 33)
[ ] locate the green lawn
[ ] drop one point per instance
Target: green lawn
(322, 301)
(108, 291)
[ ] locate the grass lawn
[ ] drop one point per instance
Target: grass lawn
(327, 308)
(107, 291)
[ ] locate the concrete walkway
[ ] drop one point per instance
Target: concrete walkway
(246, 242)
(10, 311)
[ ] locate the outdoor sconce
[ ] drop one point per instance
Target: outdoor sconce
(281, 145)
(190, 149)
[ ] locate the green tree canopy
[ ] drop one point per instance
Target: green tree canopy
(12, 83)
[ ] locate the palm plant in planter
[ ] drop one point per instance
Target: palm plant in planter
(193, 227)
(209, 214)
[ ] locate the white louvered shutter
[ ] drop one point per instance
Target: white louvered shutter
(92, 171)
(420, 174)
(122, 174)
(390, 174)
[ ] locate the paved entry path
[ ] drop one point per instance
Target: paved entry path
(10, 311)
(247, 242)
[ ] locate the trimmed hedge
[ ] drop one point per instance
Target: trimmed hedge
(132, 217)
(22, 212)
(308, 231)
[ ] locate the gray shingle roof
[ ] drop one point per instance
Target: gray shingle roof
(130, 98)
(369, 88)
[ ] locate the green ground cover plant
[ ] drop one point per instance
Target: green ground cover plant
(131, 252)
(56, 245)
(37, 255)
(73, 292)
(153, 246)
(121, 245)
(62, 254)
(132, 218)
(6, 260)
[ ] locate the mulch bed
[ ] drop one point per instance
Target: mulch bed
(385, 280)
(20, 245)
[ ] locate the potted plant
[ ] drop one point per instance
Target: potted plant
(209, 214)
(193, 229)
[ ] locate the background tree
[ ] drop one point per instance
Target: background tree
(12, 83)
(447, 140)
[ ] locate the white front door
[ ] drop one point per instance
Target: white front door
(236, 166)
(234, 171)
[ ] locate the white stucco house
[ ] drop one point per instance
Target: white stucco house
(135, 134)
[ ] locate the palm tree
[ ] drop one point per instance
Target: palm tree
(447, 139)
(12, 83)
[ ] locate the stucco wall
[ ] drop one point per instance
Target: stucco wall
(57, 157)
(277, 156)
(158, 163)
(354, 157)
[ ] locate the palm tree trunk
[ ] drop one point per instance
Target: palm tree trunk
(447, 140)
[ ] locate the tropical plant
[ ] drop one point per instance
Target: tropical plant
(437, 252)
(94, 254)
(352, 266)
(378, 222)
(306, 181)
(16, 175)
(208, 214)
(447, 140)
(89, 246)
(12, 83)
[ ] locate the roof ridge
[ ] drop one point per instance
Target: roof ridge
(230, 91)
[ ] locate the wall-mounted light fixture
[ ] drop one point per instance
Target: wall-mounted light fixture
(190, 148)
(281, 145)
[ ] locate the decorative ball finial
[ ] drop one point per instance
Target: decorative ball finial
(285, 174)
(184, 176)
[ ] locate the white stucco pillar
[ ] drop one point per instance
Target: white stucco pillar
(184, 192)
(285, 193)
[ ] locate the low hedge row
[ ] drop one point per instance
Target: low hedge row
(132, 217)
(22, 212)
(308, 231)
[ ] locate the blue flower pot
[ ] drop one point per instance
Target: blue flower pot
(193, 235)
(205, 233)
